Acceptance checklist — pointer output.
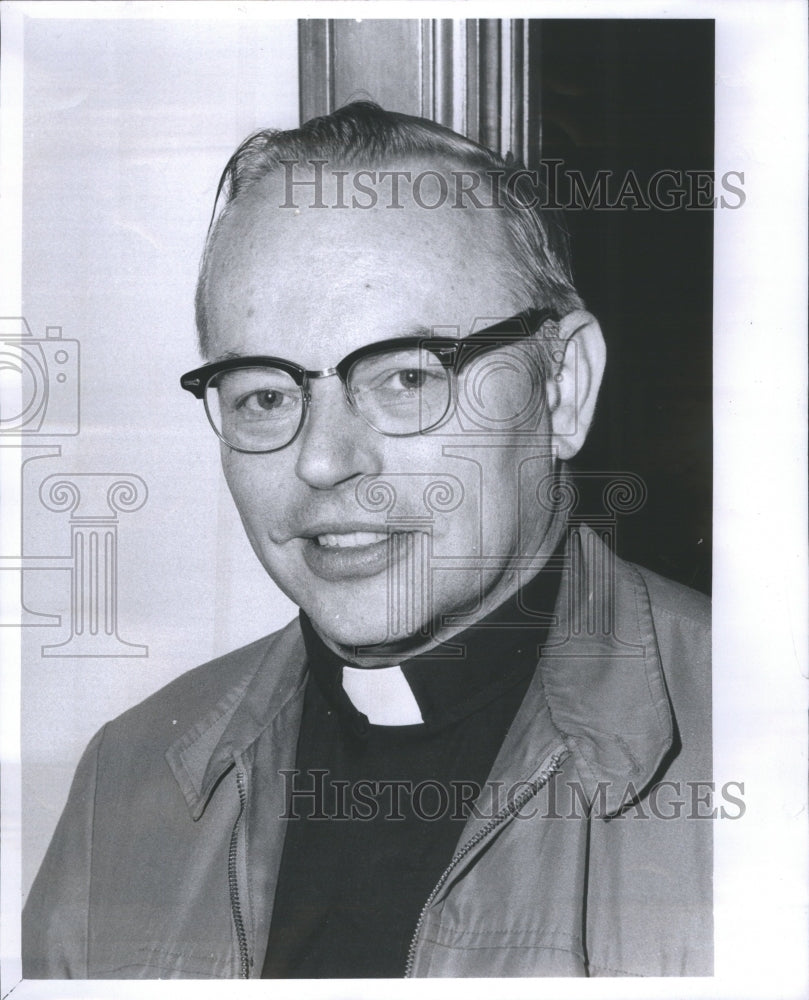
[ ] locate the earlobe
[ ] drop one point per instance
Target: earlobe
(574, 383)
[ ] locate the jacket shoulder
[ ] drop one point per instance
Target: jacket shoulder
(682, 626)
(675, 599)
(195, 693)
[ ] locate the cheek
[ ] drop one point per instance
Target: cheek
(239, 479)
(258, 491)
(511, 514)
(486, 478)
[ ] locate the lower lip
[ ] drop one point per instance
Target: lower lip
(355, 562)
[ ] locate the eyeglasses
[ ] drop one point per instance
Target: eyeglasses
(401, 387)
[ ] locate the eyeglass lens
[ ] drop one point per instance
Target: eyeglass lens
(398, 392)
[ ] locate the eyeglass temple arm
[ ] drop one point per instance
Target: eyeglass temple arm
(524, 324)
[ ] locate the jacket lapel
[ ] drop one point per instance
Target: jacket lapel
(598, 695)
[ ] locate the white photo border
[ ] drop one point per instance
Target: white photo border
(760, 500)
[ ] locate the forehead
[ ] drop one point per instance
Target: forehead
(305, 277)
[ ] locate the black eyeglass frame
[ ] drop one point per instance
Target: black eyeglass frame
(452, 352)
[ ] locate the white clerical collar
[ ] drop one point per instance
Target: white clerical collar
(382, 694)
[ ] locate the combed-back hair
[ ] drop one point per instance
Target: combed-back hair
(365, 136)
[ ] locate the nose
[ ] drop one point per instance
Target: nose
(335, 444)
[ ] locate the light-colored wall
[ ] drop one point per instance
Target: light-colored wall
(127, 125)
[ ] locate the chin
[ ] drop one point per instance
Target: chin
(376, 635)
(348, 637)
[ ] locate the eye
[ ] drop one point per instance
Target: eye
(266, 403)
(403, 378)
(265, 399)
(411, 378)
(406, 383)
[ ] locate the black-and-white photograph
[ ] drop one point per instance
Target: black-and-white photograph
(377, 394)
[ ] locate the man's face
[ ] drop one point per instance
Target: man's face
(313, 284)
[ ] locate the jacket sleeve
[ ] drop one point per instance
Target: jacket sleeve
(55, 918)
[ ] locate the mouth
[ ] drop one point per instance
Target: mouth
(349, 555)
(351, 539)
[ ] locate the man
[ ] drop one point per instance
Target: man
(474, 753)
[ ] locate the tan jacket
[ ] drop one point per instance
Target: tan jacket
(164, 863)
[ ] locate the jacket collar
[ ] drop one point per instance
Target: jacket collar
(599, 690)
(269, 692)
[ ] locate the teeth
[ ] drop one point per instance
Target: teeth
(351, 538)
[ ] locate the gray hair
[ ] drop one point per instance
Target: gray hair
(364, 134)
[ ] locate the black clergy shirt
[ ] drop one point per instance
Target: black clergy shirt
(375, 813)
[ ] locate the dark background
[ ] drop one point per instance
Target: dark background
(621, 95)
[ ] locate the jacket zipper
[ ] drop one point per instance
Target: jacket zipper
(517, 803)
(233, 884)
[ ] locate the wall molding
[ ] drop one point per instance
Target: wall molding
(479, 77)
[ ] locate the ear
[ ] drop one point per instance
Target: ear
(573, 385)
